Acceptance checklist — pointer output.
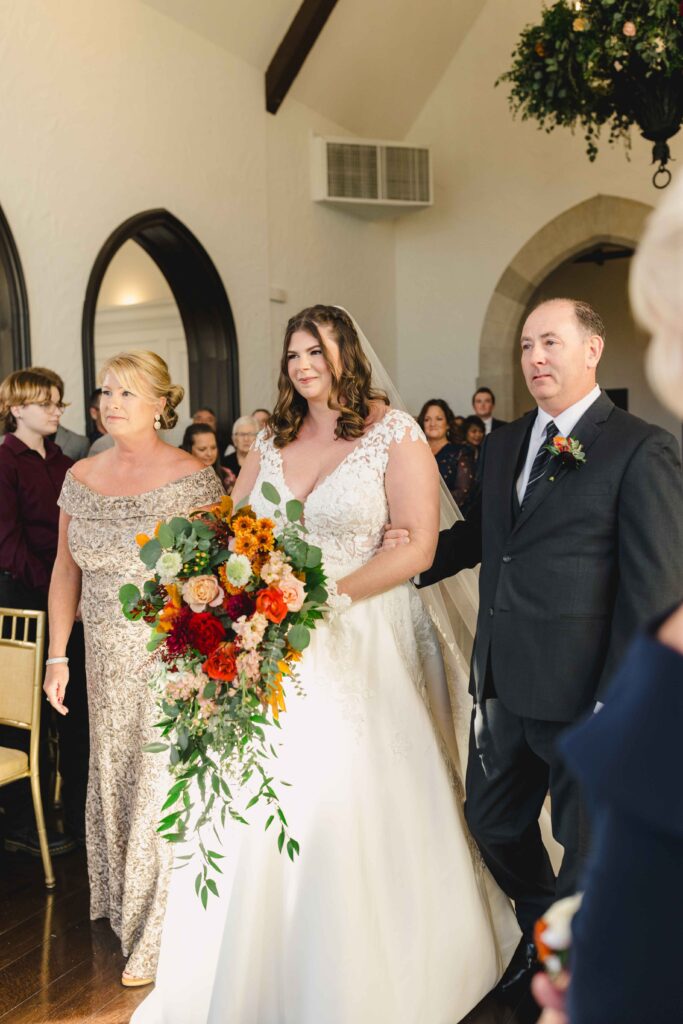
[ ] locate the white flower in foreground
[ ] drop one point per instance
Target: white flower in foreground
(238, 570)
(558, 918)
(168, 566)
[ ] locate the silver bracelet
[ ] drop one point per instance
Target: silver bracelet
(57, 661)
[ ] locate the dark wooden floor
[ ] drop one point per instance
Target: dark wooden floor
(57, 966)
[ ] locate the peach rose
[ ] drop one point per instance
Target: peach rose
(293, 592)
(202, 590)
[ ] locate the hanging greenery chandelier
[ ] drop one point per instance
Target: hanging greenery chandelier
(598, 63)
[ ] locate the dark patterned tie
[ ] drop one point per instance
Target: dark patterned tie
(540, 466)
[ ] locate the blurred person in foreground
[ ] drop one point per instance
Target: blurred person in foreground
(625, 956)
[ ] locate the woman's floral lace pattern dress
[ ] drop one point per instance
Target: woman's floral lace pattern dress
(128, 863)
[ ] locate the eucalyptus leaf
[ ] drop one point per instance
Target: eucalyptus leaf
(294, 510)
(179, 525)
(155, 748)
(299, 637)
(151, 552)
(165, 536)
(270, 493)
(314, 557)
(129, 594)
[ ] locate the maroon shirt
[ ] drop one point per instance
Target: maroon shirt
(29, 515)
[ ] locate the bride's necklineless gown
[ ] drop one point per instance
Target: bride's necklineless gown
(388, 916)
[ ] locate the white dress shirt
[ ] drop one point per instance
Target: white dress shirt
(565, 423)
(488, 424)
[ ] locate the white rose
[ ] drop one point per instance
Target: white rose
(168, 566)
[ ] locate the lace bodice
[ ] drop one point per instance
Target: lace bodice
(347, 511)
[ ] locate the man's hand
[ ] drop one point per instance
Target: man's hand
(392, 537)
(671, 632)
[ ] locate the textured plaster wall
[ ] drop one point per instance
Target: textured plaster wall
(498, 182)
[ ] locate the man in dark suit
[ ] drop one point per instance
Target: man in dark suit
(575, 556)
(483, 403)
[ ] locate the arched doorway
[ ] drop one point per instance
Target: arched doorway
(602, 219)
(202, 303)
(15, 346)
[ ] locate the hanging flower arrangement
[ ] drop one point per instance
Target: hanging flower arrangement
(603, 63)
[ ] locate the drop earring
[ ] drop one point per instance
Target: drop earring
(157, 421)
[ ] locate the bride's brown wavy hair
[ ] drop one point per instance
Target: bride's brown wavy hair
(352, 390)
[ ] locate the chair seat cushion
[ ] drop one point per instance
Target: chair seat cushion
(12, 762)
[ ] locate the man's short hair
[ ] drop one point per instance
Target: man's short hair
(484, 391)
(588, 318)
(204, 408)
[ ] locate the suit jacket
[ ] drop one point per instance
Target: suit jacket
(495, 424)
(627, 760)
(76, 446)
(565, 583)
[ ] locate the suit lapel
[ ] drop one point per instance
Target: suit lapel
(586, 431)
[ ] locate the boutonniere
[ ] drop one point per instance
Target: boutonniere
(568, 450)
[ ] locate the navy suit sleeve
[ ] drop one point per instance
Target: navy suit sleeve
(650, 543)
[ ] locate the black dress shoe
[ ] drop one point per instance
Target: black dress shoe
(523, 965)
(26, 841)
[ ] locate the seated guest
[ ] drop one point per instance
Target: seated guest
(205, 415)
(200, 440)
(465, 488)
(436, 420)
(74, 445)
(32, 470)
(244, 431)
(483, 403)
(262, 416)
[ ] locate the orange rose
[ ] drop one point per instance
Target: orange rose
(271, 603)
(562, 444)
(221, 663)
(141, 539)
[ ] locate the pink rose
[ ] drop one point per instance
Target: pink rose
(629, 29)
(202, 590)
(293, 593)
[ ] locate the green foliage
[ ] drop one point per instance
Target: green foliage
(605, 64)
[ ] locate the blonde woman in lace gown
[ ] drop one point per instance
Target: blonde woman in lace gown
(106, 501)
(388, 916)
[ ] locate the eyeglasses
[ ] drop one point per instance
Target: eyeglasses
(59, 406)
(241, 433)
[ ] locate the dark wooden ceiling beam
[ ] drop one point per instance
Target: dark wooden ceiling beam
(300, 39)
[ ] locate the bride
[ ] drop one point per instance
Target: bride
(388, 914)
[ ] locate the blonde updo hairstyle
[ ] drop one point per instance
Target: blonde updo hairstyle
(146, 374)
(656, 287)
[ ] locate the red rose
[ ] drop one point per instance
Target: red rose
(205, 631)
(221, 663)
(236, 605)
(271, 603)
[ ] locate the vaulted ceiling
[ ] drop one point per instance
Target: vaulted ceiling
(374, 65)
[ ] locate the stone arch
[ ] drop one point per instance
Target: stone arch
(600, 219)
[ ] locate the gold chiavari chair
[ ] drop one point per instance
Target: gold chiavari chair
(21, 687)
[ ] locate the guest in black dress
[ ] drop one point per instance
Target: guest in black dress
(438, 423)
(201, 441)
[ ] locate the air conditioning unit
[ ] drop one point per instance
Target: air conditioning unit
(366, 175)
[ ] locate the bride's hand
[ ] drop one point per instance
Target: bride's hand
(394, 537)
(56, 682)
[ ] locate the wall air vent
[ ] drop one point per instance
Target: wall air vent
(371, 176)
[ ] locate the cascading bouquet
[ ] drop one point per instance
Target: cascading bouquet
(231, 603)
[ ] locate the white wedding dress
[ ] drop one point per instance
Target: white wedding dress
(387, 916)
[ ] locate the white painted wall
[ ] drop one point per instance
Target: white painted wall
(497, 182)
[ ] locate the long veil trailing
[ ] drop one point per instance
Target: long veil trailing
(452, 604)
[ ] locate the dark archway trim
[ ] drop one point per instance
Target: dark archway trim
(201, 299)
(18, 296)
